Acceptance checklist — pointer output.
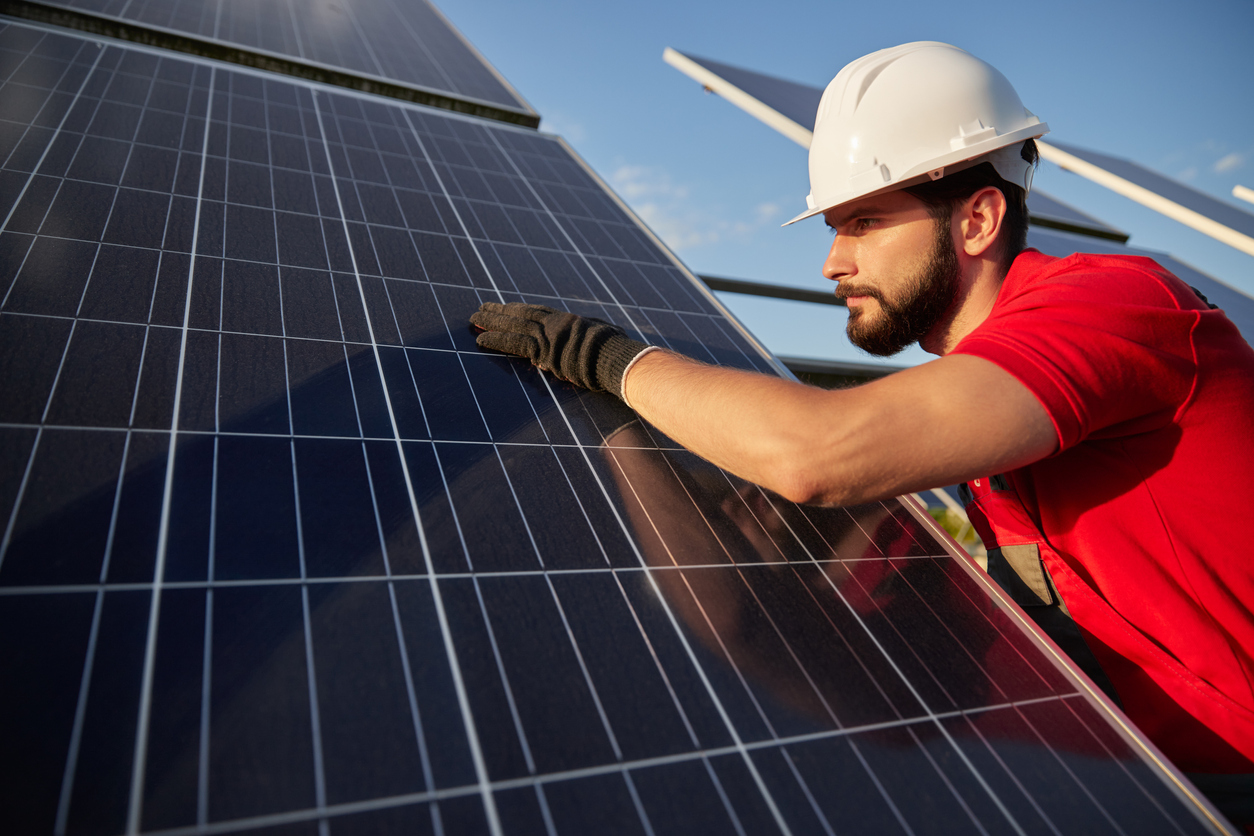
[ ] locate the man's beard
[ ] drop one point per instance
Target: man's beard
(925, 299)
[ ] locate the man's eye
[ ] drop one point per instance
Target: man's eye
(865, 223)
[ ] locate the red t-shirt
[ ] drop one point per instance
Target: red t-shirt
(1146, 504)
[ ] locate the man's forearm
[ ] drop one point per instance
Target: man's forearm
(912, 430)
(741, 421)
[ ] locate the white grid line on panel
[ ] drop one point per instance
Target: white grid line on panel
(67, 784)
(919, 697)
(500, 671)
(52, 589)
(402, 645)
(962, 802)
(80, 713)
(692, 657)
(450, 650)
(57, 132)
(81, 709)
(571, 429)
(320, 782)
(197, 329)
(635, 800)
(17, 502)
(1101, 808)
(1122, 765)
(805, 789)
(539, 781)
(975, 729)
(139, 763)
(206, 682)
(300, 42)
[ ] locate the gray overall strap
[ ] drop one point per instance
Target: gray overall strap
(1021, 572)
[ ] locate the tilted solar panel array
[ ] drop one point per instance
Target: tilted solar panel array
(400, 41)
(283, 551)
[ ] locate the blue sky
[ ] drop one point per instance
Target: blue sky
(1167, 84)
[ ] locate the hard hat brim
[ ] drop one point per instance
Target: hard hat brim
(952, 163)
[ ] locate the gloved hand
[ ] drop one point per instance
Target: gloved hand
(589, 352)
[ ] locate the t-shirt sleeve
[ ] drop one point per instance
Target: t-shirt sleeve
(1107, 350)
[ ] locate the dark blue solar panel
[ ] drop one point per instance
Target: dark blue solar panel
(406, 41)
(793, 100)
(1173, 190)
(283, 551)
(1044, 210)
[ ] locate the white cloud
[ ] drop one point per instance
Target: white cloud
(1188, 174)
(1229, 163)
(767, 212)
(666, 207)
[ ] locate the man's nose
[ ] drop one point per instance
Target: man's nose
(839, 264)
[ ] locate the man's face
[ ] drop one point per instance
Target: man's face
(897, 270)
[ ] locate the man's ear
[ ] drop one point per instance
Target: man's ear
(980, 220)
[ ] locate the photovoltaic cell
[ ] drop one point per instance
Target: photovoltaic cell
(283, 550)
(405, 41)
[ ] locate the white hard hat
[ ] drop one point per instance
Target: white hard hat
(913, 113)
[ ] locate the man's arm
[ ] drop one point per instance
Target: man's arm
(949, 420)
(946, 421)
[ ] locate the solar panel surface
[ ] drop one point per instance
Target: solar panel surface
(284, 552)
(406, 41)
(794, 101)
(1173, 190)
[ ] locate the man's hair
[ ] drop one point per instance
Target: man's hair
(943, 196)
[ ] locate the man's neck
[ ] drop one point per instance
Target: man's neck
(976, 297)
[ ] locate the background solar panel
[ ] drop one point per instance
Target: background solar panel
(283, 551)
(1188, 197)
(1054, 223)
(406, 41)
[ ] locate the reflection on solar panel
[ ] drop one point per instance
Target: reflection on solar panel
(283, 551)
(395, 41)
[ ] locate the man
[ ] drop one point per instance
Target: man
(1101, 413)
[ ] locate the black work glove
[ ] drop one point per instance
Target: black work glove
(589, 352)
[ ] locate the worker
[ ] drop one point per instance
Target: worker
(1098, 410)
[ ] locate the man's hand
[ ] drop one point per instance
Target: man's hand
(588, 352)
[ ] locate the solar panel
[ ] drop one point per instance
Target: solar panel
(404, 47)
(1186, 204)
(283, 551)
(1052, 213)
